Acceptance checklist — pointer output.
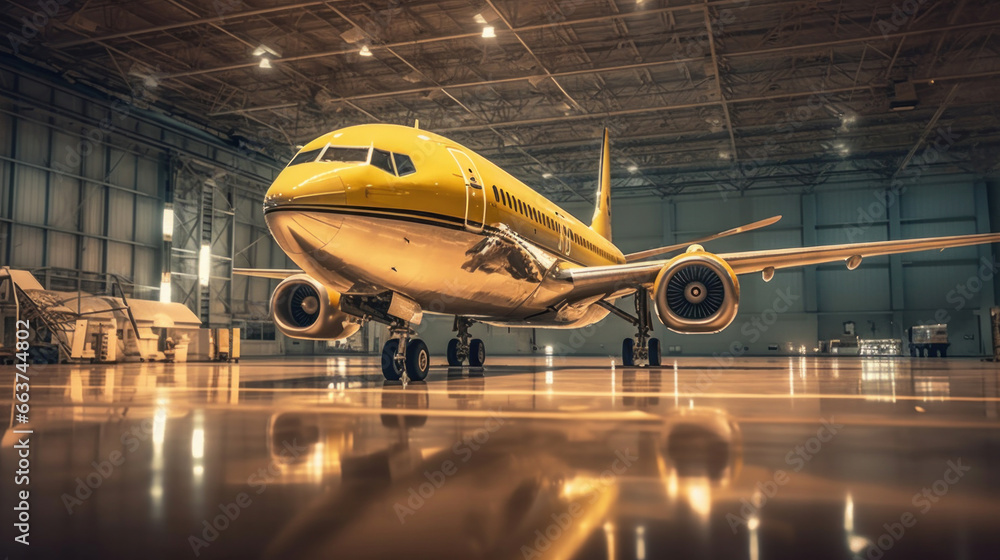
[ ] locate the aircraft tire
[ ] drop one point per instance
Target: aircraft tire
(392, 370)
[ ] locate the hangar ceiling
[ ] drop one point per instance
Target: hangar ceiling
(709, 95)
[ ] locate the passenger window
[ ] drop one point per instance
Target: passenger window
(305, 157)
(404, 165)
(382, 160)
(496, 193)
(346, 155)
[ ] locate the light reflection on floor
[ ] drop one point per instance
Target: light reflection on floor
(542, 457)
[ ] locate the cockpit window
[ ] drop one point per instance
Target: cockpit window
(305, 157)
(382, 160)
(404, 165)
(346, 155)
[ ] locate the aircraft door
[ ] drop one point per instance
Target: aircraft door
(475, 194)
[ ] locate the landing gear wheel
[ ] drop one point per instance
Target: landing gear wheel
(392, 369)
(654, 351)
(477, 353)
(628, 352)
(453, 358)
(418, 360)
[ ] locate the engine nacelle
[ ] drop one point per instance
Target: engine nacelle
(696, 292)
(303, 308)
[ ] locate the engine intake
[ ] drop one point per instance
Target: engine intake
(303, 308)
(696, 292)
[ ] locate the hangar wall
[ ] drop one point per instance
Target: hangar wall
(85, 179)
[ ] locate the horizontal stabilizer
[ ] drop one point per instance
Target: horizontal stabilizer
(276, 273)
(671, 248)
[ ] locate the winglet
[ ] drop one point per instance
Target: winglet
(602, 210)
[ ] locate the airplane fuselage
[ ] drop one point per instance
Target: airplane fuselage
(442, 226)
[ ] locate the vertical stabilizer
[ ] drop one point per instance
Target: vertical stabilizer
(602, 211)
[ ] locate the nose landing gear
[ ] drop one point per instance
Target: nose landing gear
(465, 347)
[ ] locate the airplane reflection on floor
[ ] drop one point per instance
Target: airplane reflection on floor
(577, 460)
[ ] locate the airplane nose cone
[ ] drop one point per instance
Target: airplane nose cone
(295, 204)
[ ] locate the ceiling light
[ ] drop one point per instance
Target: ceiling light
(546, 175)
(723, 154)
(489, 32)
(633, 168)
(264, 49)
(365, 51)
(479, 18)
(265, 62)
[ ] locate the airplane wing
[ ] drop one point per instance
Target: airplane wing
(275, 273)
(632, 257)
(614, 277)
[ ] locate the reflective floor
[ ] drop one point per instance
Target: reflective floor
(531, 458)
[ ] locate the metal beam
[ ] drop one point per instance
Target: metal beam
(181, 24)
(718, 87)
(757, 52)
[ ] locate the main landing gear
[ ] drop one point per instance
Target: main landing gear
(465, 347)
(406, 354)
(641, 348)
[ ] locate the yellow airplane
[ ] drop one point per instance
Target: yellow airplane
(388, 222)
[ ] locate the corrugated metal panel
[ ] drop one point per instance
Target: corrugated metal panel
(93, 156)
(263, 252)
(121, 214)
(122, 171)
(29, 195)
(64, 202)
(931, 286)
(68, 101)
(93, 209)
(32, 142)
(27, 247)
(149, 220)
(147, 271)
(937, 202)
(4, 232)
(5, 188)
(148, 176)
(242, 242)
(260, 289)
(120, 259)
(93, 255)
(866, 288)
(66, 152)
(847, 207)
(62, 250)
(6, 130)
(33, 89)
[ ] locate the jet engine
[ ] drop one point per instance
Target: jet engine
(304, 308)
(696, 292)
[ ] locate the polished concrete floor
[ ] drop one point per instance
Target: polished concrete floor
(532, 458)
